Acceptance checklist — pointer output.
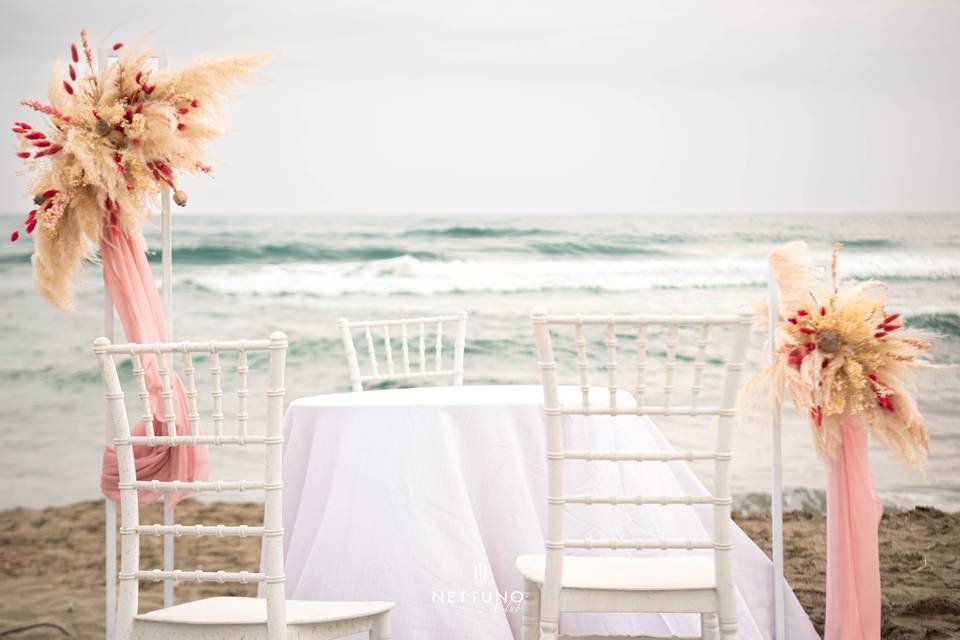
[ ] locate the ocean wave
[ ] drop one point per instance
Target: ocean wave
(15, 258)
(465, 231)
(870, 243)
(288, 252)
(595, 248)
(945, 324)
(409, 275)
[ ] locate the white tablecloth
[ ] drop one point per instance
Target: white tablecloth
(426, 496)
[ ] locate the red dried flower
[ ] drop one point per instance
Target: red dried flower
(879, 334)
(808, 331)
(183, 110)
(803, 312)
(73, 72)
(73, 52)
(181, 126)
(31, 226)
(35, 135)
(49, 193)
(194, 103)
(23, 154)
(14, 236)
(41, 143)
(816, 414)
(67, 87)
(23, 125)
(117, 46)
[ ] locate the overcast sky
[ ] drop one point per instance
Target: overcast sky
(551, 106)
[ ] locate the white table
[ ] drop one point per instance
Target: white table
(426, 496)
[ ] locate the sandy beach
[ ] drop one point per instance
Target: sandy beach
(52, 566)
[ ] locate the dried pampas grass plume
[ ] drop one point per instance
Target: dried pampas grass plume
(113, 142)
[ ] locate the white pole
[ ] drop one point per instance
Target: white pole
(776, 490)
(110, 548)
(166, 267)
(166, 241)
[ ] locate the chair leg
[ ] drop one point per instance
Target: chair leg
(709, 626)
(381, 627)
(531, 611)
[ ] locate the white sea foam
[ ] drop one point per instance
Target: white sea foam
(407, 275)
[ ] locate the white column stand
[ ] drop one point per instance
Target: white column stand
(110, 548)
(166, 265)
(776, 490)
(103, 58)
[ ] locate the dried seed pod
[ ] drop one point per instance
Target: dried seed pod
(101, 128)
(828, 341)
(180, 197)
(117, 139)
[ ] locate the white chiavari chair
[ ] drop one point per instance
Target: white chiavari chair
(425, 363)
(698, 582)
(270, 618)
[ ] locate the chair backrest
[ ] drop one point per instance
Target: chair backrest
(638, 331)
(428, 335)
(271, 529)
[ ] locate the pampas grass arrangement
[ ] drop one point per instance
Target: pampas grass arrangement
(113, 142)
(839, 353)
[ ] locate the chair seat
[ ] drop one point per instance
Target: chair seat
(233, 611)
(615, 573)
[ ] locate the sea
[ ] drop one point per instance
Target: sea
(245, 276)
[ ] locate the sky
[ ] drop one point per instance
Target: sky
(555, 106)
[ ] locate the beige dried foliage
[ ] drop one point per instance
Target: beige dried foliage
(840, 353)
(153, 128)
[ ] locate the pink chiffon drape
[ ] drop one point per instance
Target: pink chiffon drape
(130, 284)
(853, 560)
